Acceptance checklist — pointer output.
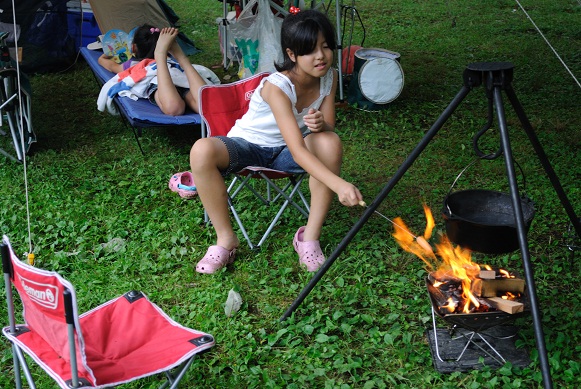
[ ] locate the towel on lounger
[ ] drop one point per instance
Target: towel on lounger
(135, 82)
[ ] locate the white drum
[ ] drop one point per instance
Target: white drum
(378, 79)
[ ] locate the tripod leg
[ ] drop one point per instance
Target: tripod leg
(518, 214)
(382, 195)
(575, 220)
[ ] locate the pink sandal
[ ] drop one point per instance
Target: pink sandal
(183, 184)
(310, 253)
(216, 258)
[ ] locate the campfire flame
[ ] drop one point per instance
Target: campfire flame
(445, 264)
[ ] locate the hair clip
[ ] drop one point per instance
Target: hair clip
(154, 30)
(294, 10)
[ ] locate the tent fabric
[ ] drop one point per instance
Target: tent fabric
(44, 35)
(41, 33)
(127, 14)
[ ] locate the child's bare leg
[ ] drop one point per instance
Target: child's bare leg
(326, 146)
(194, 79)
(167, 97)
(207, 156)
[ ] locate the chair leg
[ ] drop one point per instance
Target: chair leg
(288, 197)
(238, 183)
(136, 134)
(174, 379)
(20, 364)
(288, 200)
(240, 224)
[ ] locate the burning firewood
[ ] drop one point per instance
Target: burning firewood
(504, 305)
(497, 287)
(487, 274)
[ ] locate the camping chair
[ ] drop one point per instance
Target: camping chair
(136, 114)
(122, 340)
(220, 106)
(15, 105)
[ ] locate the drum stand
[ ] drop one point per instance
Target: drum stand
(495, 77)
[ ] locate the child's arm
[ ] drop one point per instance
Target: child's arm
(107, 62)
(282, 109)
(324, 118)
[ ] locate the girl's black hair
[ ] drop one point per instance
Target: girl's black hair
(145, 41)
(299, 33)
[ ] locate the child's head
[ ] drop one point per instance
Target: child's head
(144, 41)
(300, 32)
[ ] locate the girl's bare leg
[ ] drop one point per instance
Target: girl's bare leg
(207, 156)
(327, 147)
(167, 97)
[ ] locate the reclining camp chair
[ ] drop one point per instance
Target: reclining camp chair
(122, 340)
(141, 113)
(220, 106)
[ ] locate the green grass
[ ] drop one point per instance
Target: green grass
(363, 325)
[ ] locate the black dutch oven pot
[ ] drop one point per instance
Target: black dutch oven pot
(483, 220)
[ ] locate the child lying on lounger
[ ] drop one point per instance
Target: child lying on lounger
(172, 96)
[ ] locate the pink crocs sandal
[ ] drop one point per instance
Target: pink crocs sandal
(183, 184)
(216, 258)
(310, 253)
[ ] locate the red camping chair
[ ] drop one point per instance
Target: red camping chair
(220, 106)
(120, 341)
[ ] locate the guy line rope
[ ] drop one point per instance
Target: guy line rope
(30, 253)
(548, 43)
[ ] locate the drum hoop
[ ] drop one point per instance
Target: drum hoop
(402, 80)
(363, 50)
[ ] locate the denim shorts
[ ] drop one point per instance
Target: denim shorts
(153, 88)
(243, 153)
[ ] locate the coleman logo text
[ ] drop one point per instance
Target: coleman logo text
(42, 294)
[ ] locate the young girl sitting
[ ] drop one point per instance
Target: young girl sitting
(152, 43)
(289, 126)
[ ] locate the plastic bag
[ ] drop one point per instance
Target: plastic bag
(257, 37)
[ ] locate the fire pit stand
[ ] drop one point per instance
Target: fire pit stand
(458, 349)
(471, 336)
(495, 77)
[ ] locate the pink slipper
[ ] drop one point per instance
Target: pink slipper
(183, 184)
(310, 253)
(216, 258)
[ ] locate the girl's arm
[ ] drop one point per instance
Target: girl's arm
(282, 109)
(107, 62)
(324, 118)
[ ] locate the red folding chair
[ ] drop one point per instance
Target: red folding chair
(220, 106)
(120, 341)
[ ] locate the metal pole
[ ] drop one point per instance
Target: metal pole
(522, 238)
(382, 195)
(339, 47)
(225, 33)
(575, 220)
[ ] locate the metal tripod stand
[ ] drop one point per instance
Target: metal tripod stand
(495, 77)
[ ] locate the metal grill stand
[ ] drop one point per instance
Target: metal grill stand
(495, 77)
(458, 349)
(472, 336)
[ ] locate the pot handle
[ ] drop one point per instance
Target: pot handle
(488, 156)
